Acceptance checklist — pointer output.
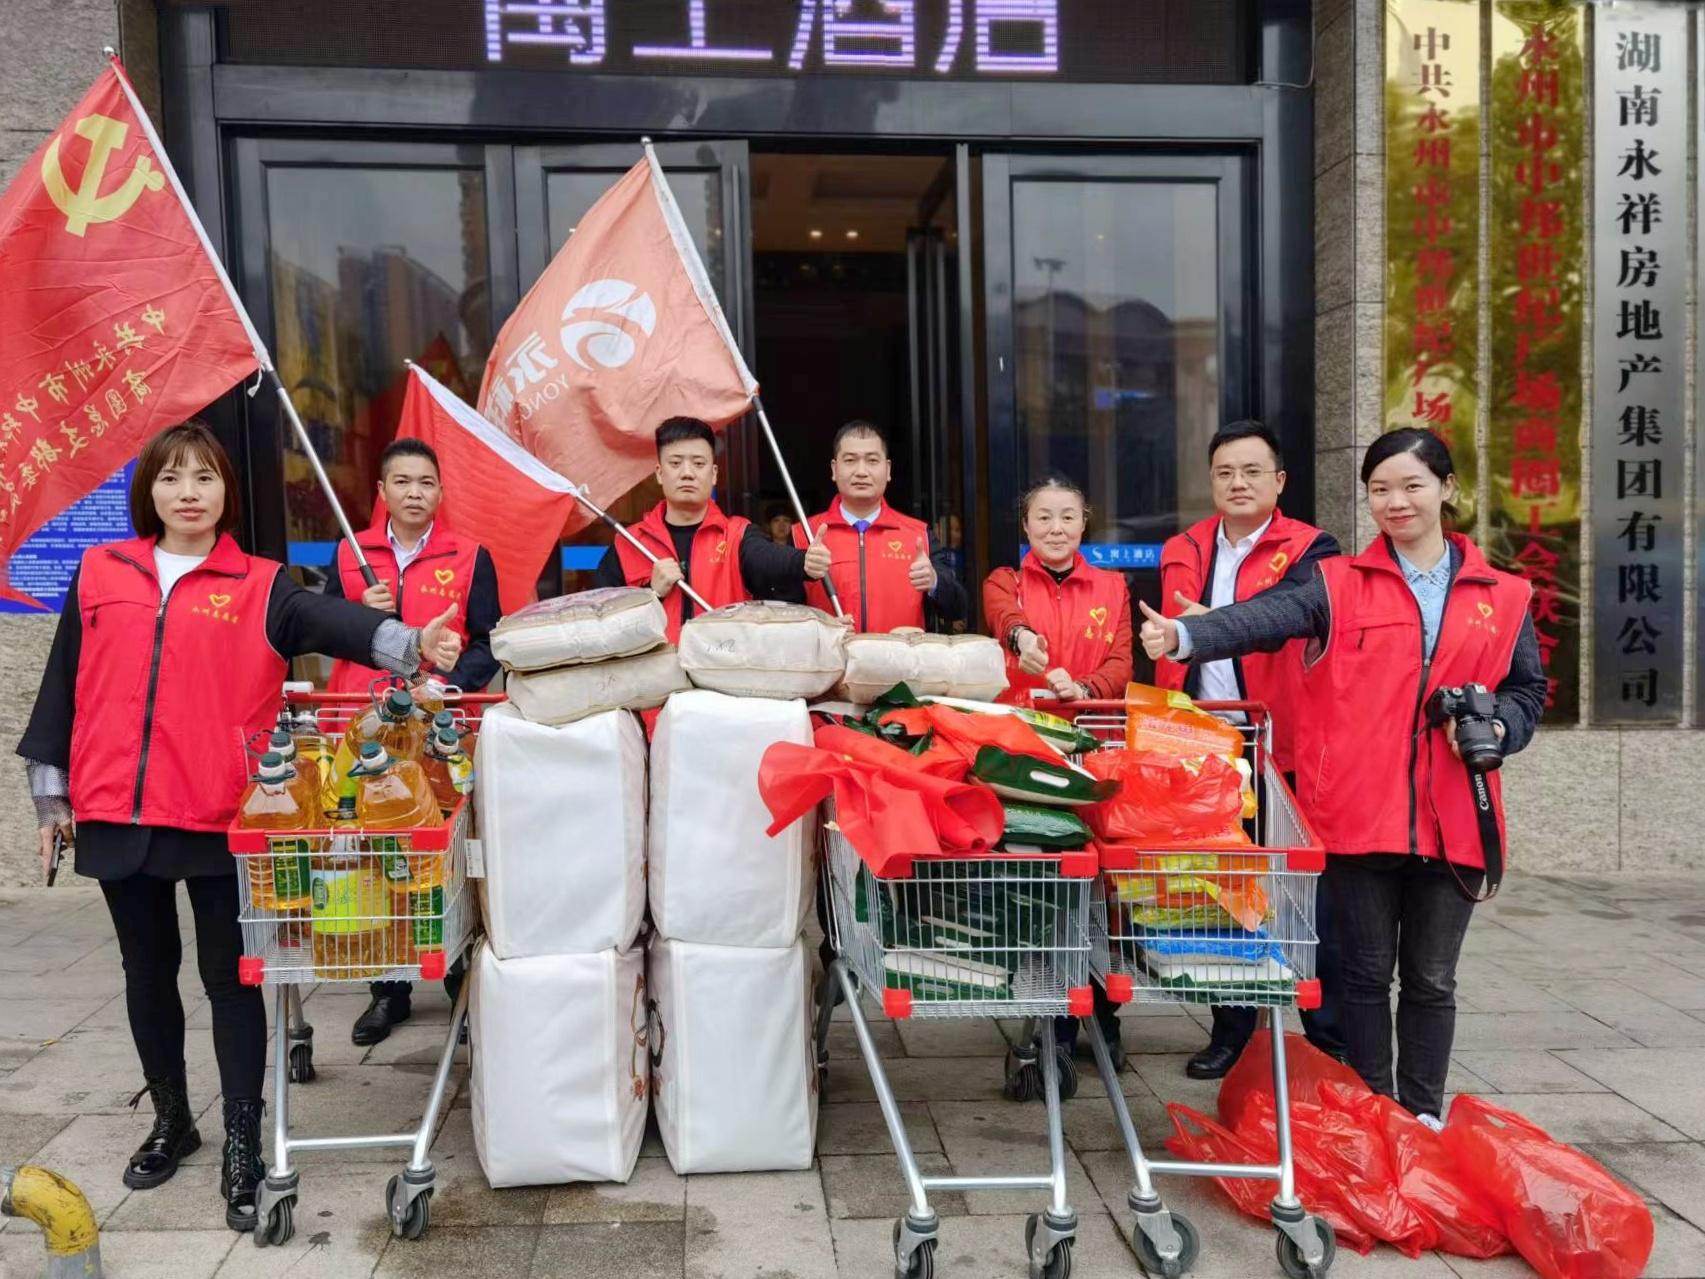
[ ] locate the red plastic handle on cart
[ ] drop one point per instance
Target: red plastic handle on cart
(1120, 988)
(432, 965)
(1080, 1001)
(251, 969)
(1305, 861)
(1308, 994)
(897, 1004)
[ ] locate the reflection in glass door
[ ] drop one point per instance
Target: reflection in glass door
(554, 187)
(357, 257)
(1117, 338)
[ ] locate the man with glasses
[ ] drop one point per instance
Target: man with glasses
(1248, 546)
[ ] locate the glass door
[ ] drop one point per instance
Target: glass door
(353, 257)
(554, 187)
(1118, 341)
(933, 313)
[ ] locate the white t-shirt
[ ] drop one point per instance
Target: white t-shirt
(171, 567)
(1219, 679)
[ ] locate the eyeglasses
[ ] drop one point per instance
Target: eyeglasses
(1248, 474)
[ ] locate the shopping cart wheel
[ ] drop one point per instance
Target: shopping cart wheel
(1290, 1256)
(1059, 1262)
(279, 1226)
(413, 1219)
(1023, 1075)
(1067, 1072)
(1148, 1255)
(302, 1064)
(922, 1262)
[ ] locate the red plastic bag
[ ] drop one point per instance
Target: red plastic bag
(1428, 1177)
(1308, 1070)
(1160, 799)
(1199, 1139)
(1563, 1212)
(1348, 1161)
(966, 732)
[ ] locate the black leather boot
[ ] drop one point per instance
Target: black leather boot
(385, 1010)
(243, 1167)
(172, 1137)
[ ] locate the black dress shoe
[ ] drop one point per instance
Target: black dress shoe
(1212, 1062)
(374, 1025)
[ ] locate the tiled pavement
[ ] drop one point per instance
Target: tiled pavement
(1583, 1007)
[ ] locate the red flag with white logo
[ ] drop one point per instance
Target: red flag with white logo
(622, 331)
(494, 490)
(116, 320)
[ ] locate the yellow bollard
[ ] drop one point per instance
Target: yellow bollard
(66, 1220)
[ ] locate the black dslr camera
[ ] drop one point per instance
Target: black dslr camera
(1473, 709)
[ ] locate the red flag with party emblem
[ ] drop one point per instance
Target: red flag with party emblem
(116, 319)
(622, 331)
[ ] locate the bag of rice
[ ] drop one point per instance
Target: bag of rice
(764, 648)
(591, 626)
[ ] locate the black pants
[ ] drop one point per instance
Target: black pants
(144, 912)
(404, 990)
(1405, 914)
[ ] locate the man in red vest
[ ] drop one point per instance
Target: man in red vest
(884, 565)
(1248, 546)
(724, 558)
(423, 567)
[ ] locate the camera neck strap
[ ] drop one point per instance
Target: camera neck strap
(1491, 839)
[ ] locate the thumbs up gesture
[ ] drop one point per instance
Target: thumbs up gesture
(1159, 635)
(817, 559)
(1032, 652)
(922, 572)
(440, 646)
(1187, 607)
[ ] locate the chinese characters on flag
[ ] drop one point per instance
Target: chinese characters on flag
(114, 321)
(1433, 225)
(1534, 442)
(1639, 350)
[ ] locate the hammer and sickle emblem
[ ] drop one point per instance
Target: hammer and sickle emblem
(86, 204)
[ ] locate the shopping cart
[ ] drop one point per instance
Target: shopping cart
(1212, 926)
(1003, 935)
(350, 906)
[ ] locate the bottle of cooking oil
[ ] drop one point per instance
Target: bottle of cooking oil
(393, 724)
(448, 769)
(307, 770)
(279, 798)
(394, 795)
(352, 922)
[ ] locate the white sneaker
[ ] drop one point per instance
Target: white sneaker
(1432, 1121)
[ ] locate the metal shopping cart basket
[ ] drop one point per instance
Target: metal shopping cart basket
(1213, 926)
(349, 905)
(1004, 935)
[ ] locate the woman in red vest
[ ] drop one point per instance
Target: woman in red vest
(1412, 835)
(1066, 626)
(172, 649)
(1067, 631)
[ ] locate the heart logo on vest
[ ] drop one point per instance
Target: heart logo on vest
(1098, 616)
(896, 546)
(219, 601)
(1485, 608)
(1279, 560)
(445, 576)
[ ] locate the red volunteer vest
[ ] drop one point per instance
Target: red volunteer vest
(168, 693)
(1079, 618)
(440, 576)
(871, 570)
(1267, 677)
(714, 571)
(1371, 776)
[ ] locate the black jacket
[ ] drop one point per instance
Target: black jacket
(476, 666)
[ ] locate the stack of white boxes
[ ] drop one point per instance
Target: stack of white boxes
(736, 1081)
(559, 1003)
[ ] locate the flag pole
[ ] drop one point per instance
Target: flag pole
(262, 357)
(622, 532)
(689, 255)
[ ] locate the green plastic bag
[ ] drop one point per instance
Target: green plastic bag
(1031, 781)
(1034, 826)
